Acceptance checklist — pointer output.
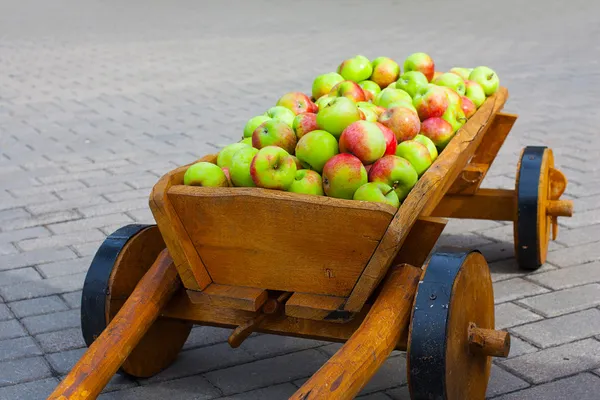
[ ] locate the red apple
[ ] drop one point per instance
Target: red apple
(385, 71)
(350, 90)
(402, 121)
(364, 140)
(297, 102)
(274, 133)
(304, 123)
(396, 172)
(468, 107)
(343, 174)
(390, 139)
(420, 62)
(438, 130)
(433, 103)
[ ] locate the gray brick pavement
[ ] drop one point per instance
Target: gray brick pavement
(96, 103)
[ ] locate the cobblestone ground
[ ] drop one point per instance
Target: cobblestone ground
(98, 101)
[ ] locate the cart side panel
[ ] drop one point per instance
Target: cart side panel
(280, 241)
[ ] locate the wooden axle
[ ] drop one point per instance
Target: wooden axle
(489, 342)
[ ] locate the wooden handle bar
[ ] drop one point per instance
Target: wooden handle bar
(560, 208)
(489, 341)
(345, 374)
(104, 357)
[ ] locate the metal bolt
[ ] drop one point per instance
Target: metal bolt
(432, 296)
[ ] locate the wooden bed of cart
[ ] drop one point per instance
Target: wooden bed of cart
(257, 260)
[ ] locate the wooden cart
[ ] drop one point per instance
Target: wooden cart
(317, 267)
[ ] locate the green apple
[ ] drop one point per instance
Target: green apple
(452, 81)
(370, 88)
(316, 148)
(475, 93)
(247, 141)
(337, 115)
(403, 103)
(274, 132)
(421, 62)
(324, 100)
(343, 174)
(253, 123)
(205, 174)
(307, 182)
(369, 114)
(413, 83)
(273, 168)
(385, 71)
(391, 95)
(227, 152)
(433, 152)
(378, 192)
(240, 167)
(355, 69)
(395, 171)
(282, 114)
(323, 84)
(416, 153)
(487, 78)
(455, 116)
(462, 72)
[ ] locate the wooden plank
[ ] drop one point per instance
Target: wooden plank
(104, 357)
(420, 241)
(312, 306)
(241, 298)
(278, 240)
(469, 179)
(351, 368)
(191, 269)
(425, 196)
(489, 204)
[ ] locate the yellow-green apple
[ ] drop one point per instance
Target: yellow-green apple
(205, 174)
(475, 93)
(323, 83)
(390, 139)
(240, 167)
(282, 114)
(468, 107)
(436, 75)
(316, 148)
(370, 88)
(297, 102)
(455, 99)
(462, 72)
(438, 130)
(385, 71)
(227, 152)
(298, 163)
(253, 123)
(395, 171)
(378, 192)
(364, 140)
(365, 104)
(455, 116)
(273, 168)
(403, 103)
(348, 89)
(274, 133)
(452, 81)
(324, 100)
(343, 174)
(228, 175)
(307, 182)
(416, 153)
(413, 83)
(420, 62)
(429, 144)
(355, 69)
(247, 141)
(433, 103)
(487, 78)
(304, 123)
(368, 114)
(403, 121)
(337, 115)
(390, 95)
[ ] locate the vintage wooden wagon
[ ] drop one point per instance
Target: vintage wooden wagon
(252, 259)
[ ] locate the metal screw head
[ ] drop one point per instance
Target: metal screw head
(432, 296)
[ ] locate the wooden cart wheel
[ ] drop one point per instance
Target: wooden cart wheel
(538, 186)
(451, 334)
(119, 264)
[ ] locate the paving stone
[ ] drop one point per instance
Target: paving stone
(513, 289)
(90, 223)
(63, 361)
(61, 240)
(113, 208)
(69, 267)
(502, 381)
(519, 347)
(206, 335)
(66, 205)
(43, 219)
(67, 339)
(581, 235)
(242, 378)
(18, 348)
(52, 322)
(509, 314)
(88, 249)
(391, 374)
(460, 226)
(27, 233)
(580, 387)
(4, 312)
(73, 299)
(13, 213)
(265, 346)
(128, 194)
(194, 387)
(7, 248)
(29, 391)
(283, 391)
(465, 240)
(563, 329)
(39, 305)
(13, 276)
(143, 215)
(569, 277)
(34, 257)
(557, 362)
(508, 269)
(565, 301)
(374, 396)
(575, 255)
(94, 191)
(23, 370)
(11, 329)
(400, 393)
(46, 287)
(119, 382)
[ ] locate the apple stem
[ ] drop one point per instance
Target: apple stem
(490, 76)
(389, 191)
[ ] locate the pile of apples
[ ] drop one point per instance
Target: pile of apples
(368, 132)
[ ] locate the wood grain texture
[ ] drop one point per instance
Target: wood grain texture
(489, 204)
(312, 306)
(425, 196)
(104, 357)
(224, 296)
(346, 373)
(280, 241)
(420, 241)
(489, 342)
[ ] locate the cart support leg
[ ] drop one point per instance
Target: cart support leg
(104, 357)
(345, 374)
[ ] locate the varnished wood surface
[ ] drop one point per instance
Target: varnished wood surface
(238, 297)
(103, 358)
(420, 241)
(489, 342)
(346, 373)
(312, 306)
(489, 204)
